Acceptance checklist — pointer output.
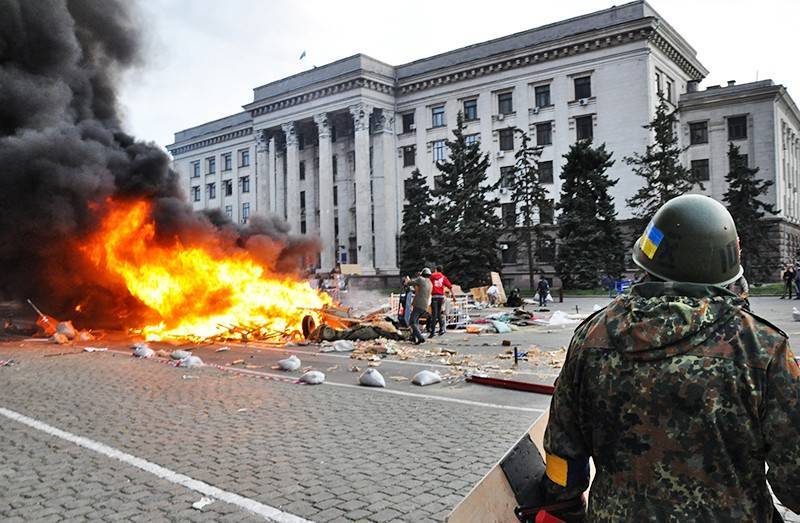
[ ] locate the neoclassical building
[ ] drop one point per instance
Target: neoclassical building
(329, 149)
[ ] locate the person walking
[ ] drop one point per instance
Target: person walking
(788, 277)
(687, 402)
(439, 283)
(542, 289)
(420, 303)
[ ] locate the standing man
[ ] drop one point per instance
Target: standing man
(788, 276)
(439, 283)
(543, 289)
(421, 302)
(677, 391)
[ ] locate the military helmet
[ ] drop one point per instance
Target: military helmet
(692, 238)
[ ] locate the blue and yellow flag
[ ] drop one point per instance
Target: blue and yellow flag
(651, 239)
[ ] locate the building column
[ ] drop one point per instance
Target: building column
(326, 232)
(385, 195)
(272, 171)
(262, 173)
(361, 113)
(292, 178)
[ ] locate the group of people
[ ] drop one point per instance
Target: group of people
(791, 280)
(429, 291)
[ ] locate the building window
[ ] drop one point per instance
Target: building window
(470, 110)
(302, 170)
(335, 195)
(583, 87)
(509, 214)
(301, 141)
(669, 90)
(409, 156)
(211, 164)
(333, 132)
(303, 200)
(544, 134)
(509, 253)
(658, 83)
(737, 128)
(334, 166)
(546, 212)
(244, 158)
(227, 162)
(698, 133)
(700, 170)
(302, 227)
(408, 122)
(351, 160)
(245, 181)
(584, 128)
(542, 95)
(437, 116)
(195, 169)
(506, 139)
(546, 250)
(472, 138)
(196, 193)
(336, 227)
(505, 103)
(506, 177)
(229, 211)
(245, 212)
(211, 190)
(439, 151)
(742, 159)
(227, 187)
(546, 172)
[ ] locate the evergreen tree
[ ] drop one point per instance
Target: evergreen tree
(590, 243)
(660, 166)
(467, 225)
(742, 200)
(416, 232)
(528, 195)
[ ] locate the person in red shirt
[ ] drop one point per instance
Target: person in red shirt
(439, 282)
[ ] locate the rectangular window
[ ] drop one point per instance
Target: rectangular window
(334, 166)
(437, 116)
(698, 133)
(409, 156)
(669, 90)
(584, 128)
(335, 195)
(301, 141)
(196, 193)
(244, 158)
(195, 169)
(700, 170)
(737, 128)
(439, 151)
(229, 211)
(658, 83)
(227, 187)
(303, 200)
(245, 182)
(336, 227)
(333, 132)
(472, 138)
(506, 177)
(509, 253)
(227, 162)
(302, 227)
(245, 212)
(470, 110)
(546, 212)
(408, 122)
(583, 87)
(506, 139)
(351, 160)
(542, 95)
(211, 164)
(509, 214)
(546, 172)
(302, 170)
(211, 190)
(544, 134)
(505, 103)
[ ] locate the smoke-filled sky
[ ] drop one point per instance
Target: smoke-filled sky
(204, 57)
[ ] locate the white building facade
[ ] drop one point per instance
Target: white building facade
(329, 149)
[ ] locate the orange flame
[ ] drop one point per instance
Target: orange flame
(198, 291)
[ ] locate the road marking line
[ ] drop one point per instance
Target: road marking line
(269, 513)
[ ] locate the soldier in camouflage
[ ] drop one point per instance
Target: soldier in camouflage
(678, 393)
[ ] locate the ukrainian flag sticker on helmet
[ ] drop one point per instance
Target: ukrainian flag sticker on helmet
(651, 239)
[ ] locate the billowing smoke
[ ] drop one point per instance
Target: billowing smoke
(63, 153)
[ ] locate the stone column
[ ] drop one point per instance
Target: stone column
(361, 112)
(292, 178)
(386, 206)
(326, 231)
(273, 176)
(262, 173)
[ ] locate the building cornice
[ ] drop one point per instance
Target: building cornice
(181, 149)
(711, 97)
(662, 42)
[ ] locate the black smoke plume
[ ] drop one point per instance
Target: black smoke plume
(63, 153)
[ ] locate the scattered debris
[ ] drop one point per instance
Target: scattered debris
(426, 377)
(161, 353)
(505, 343)
(142, 350)
(236, 362)
(291, 364)
(331, 369)
(66, 328)
(59, 338)
(313, 377)
(190, 362)
(242, 410)
(190, 377)
(46, 323)
(372, 378)
(204, 502)
(355, 368)
(223, 349)
(343, 346)
(398, 378)
(7, 363)
(95, 349)
(85, 336)
(374, 364)
(180, 354)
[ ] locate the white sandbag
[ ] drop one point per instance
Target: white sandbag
(180, 354)
(426, 377)
(795, 314)
(372, 378)
(190, 362)
(142, 350)
(66, 328)
(343, 346)
(313, 377)
(292, 363)
(559, 318)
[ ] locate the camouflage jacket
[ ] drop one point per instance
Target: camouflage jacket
(680, 396)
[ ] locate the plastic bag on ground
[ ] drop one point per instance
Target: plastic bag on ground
(180, 354)
(560, 318)
(343, 346)
(66, 328)
(548, 298)
(190, 362)
(372, 378)
(142, 350)
(313, 377)
(292, 363)
(426, 377)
